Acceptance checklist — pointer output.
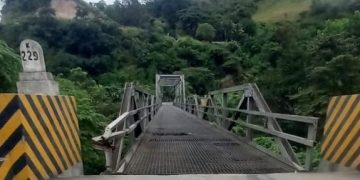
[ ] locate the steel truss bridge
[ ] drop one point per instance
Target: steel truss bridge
(195, 134)
(171, 132)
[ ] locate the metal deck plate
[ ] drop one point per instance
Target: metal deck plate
(179, 143)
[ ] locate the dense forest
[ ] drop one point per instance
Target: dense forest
(298, 64)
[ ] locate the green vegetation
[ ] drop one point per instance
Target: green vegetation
(280, 10)
(15, 9)
(93, 103)
(9, 68)
(298, 65)
(205, 32)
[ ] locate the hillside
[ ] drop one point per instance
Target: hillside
(279, 10)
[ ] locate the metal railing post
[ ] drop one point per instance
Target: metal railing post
(152, 108)
(196, 106)
(224, 103)
(309, 150)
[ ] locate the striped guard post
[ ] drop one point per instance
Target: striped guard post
(39, 136)
(341, 143)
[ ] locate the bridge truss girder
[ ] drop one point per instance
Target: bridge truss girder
(252, 104)
(138, 108)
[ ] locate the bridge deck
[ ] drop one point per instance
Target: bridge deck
(179, 143)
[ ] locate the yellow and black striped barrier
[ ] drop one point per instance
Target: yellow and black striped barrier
(341, 143)
(39, 136)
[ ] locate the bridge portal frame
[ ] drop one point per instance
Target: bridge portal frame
(171, 80)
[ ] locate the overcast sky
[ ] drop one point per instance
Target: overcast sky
(107, 1)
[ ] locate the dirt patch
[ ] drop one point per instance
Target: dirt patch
(64, 9)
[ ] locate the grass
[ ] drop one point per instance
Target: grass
(281, 10)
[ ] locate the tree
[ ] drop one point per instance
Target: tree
(190, 18)
(194, 52)
(354, 24)
(205, 32)
(168, 9)
(127, 12)
(201, 80)
(332, 9)
(95, 108)
(13, 9)
(9, 68)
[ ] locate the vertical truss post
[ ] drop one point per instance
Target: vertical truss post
(183, 106)
(153, 108)
(189, 104)
(181, 100)
(182, 77)
(309, 150)
(175, 91)
(178, 95)
(192, 101)
(196, 102)
(158, 90)
(213, 104)
(193, 105)
(201, 106)
(108, 159)
(115, 156)
(250, 106)
(146, 111)
(224, 102)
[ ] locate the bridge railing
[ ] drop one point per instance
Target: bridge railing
(119, 139)
(256, 119)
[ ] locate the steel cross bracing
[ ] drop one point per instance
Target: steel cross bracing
(175, 142)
